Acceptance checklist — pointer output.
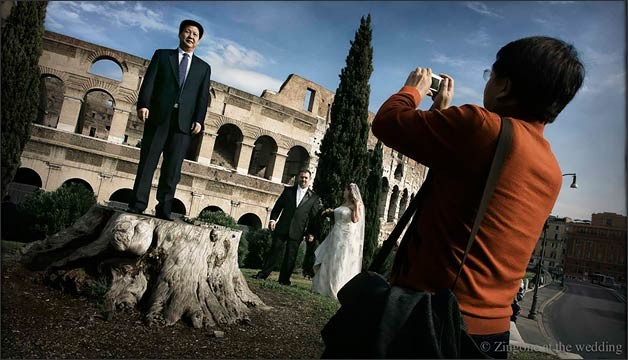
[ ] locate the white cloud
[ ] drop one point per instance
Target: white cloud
(233, 54)
(247, 80)
(121, 14)
(479, 38)
(611, 82)
(450, 61)
(467, 95)
(592, 56)
(481, 8)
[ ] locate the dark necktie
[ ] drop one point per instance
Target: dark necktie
(183, 66)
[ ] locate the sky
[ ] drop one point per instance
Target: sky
(254, 46)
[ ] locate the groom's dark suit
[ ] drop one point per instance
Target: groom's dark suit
(292, 225)
(172, 111)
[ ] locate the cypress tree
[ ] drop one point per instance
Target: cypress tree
(343, 153)
(21, 49)
(371, 197)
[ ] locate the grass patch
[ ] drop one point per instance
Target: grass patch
(299, 291)
(10, 250)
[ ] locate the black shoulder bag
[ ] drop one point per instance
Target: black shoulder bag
(376, 320)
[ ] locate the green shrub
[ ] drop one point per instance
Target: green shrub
(49, 212)
(259, 242)
(217, 218)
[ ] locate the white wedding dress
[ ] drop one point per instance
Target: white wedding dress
(339, 257)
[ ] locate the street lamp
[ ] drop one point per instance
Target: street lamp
(532, 314)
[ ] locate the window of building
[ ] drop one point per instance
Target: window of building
(126, 138)
(308, 104)
(92, 131)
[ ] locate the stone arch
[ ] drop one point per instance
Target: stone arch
(250, 220)
(394, 202)
(212, 208)
(96, 114)
(120, 198)
(263, 157)
(106, 67)
(298, 158)
(122, 195)
(399, 172)
(220, 120)
(25, 181)
(105, 54)
(383, 196)
(403, 204)
(79, 182)
(227, 146)
(51, 95)
(27, 176)
(178, 207)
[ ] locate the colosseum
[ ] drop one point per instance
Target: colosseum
(88, 132)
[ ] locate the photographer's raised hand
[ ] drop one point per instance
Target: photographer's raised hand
(421, 79)
(445, 94)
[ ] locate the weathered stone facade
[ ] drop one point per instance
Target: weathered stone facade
(251, 146)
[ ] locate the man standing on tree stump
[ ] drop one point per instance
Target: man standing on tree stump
(172, 103)
(297, 205)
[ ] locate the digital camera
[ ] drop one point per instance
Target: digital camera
(436, 80)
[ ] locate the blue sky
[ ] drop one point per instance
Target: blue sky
(255, 45)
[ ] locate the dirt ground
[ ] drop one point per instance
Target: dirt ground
(41, 322)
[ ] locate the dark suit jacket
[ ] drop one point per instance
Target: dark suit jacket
(160, 90)
(294, 220)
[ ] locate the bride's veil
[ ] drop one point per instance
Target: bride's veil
(355, 193)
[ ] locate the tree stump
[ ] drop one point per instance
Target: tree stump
(169, 270)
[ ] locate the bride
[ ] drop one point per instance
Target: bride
(339, 257)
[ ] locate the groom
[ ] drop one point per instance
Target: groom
(296, 205)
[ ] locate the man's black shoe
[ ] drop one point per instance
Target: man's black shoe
(259, 276)
(134, 210)
(163, 216)
(287, 283)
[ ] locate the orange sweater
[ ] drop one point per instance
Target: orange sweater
(458, 144)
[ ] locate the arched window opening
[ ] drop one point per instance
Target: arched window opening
(394, 202)
(106, 68)
(227, 146)
(177, 208)
(298, 158)
(96, 114)
(263, 158)
(51, 90)
(77, 181)
(250, 221)
(383, 196)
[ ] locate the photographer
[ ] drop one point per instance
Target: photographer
(531, 81)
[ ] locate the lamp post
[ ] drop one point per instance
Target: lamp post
(532, 314)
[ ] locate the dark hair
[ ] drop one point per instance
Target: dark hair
(186, 23)
(305, 171)
(545, 74)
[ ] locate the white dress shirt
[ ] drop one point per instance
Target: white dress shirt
(300, 194)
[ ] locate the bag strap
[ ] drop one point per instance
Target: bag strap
(502, 150)
(389, 243)
(503, 146)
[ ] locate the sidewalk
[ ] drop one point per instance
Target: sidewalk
(533, 334)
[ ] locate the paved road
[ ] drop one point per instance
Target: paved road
(588, 320)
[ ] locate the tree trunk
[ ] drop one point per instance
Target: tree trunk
(169, 270)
